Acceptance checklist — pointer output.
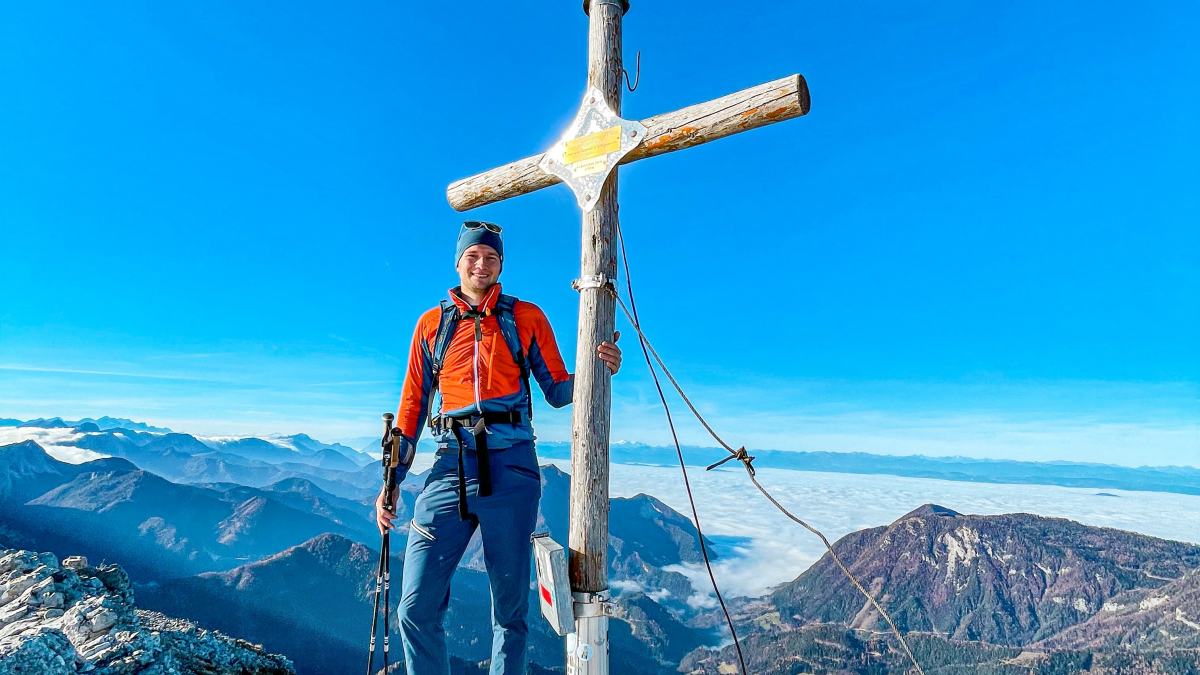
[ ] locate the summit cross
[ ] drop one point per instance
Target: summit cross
(593, 155)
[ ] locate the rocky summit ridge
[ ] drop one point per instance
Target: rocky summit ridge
(75, 618)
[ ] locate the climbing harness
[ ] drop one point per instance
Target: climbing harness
(477, 425)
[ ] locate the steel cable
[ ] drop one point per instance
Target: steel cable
(739, 454)
(633, 318)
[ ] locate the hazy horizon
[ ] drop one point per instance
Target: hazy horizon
(52, 439)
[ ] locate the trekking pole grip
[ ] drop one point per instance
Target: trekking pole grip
(386, 443)
(389, 448)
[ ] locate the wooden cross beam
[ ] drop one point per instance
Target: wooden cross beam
(782, 99)
(747, 109)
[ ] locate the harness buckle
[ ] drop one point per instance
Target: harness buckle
(442, 423)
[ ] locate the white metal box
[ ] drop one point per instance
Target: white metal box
(554, 588)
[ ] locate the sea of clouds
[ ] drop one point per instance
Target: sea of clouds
(58, 443)
(770, 549)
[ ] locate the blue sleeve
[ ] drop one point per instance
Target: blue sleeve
(558, 394)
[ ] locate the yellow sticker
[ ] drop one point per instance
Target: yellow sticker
(595, 144)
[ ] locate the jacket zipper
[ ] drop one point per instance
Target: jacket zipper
(478, 339)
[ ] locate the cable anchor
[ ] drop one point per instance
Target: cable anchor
(741, 455)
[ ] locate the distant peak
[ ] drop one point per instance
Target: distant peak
(110, 464)
(324, 540)
(330, 547)
(25, 458)
(107, 423)
(51, 423)
(926, 510)
(293, 484)
(28, 454)
(653, 501)
(553, 470)
(22, 447)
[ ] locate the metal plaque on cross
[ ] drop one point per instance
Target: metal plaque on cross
(591, 148)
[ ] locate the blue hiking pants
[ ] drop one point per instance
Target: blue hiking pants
(437, 538)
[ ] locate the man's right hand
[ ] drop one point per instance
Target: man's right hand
(385, 513)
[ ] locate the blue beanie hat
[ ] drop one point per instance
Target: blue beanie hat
(469, 236)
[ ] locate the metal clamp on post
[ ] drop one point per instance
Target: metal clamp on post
(587, 647)
(590, 605)
(623, 4)
(593, 281)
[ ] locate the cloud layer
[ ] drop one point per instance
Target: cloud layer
(838, 504)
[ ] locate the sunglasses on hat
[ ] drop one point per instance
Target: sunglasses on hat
(477, 224)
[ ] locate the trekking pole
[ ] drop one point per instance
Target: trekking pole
(383, 571)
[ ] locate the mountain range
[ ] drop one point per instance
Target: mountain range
(313, 603)
(258, 539)
(101, 423)
(252, 458)
(1007, 593)
(1177, 479)
(290, 565)
(111, 506)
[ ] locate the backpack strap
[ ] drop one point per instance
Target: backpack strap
(441, 341)
(506, 316)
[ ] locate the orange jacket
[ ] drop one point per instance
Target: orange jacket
(481, 376)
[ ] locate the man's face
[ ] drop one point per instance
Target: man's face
(478, 268)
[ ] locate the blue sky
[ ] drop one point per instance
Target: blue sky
(981, 241)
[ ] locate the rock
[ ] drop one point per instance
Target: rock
(113, 578)
(42, 650)
(102, 620)
(74, 623)
(94, 649)
(35, 594)
(14, 588)
(75, 618)
(22, 625)
(19, 561)
(13, 612)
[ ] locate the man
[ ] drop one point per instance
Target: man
(476, 351)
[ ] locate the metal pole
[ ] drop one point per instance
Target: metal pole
(587, 648)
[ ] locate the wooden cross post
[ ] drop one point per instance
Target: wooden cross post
(764, 104)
